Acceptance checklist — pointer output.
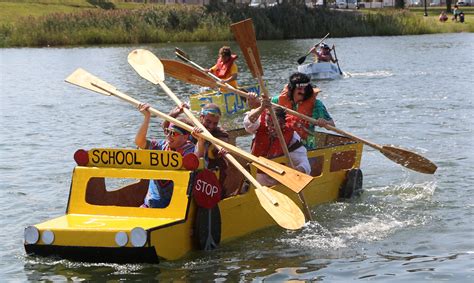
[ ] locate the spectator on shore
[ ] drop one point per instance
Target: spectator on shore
(443, 17)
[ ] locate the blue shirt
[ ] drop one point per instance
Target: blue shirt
(160, 191)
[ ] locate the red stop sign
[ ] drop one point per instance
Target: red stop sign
(207, 190)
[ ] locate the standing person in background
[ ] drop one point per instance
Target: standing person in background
(456, 13)
(225, 67)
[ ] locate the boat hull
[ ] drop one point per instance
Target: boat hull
(320, 71)
(100, 221)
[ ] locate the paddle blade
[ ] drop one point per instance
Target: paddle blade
(82, 78)
(286, 213)
(181, 54)
(409, 159)
(290, 178)
(186, 73)
(147, 65)
(302, 59)
(245, 35)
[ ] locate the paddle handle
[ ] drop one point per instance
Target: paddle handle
(227, 156)
(303, 58)
(337, 61)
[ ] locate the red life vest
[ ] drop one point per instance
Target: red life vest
(222, 69)
(266, 145)
(306, 107)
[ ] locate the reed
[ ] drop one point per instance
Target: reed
(173, 23)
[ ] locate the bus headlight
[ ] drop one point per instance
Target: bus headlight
(138, 237)
(121, 239)
(47, 237)
(31, 235)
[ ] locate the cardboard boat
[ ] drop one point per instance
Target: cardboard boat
(105, 223)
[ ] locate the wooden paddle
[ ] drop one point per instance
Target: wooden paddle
(303, 58)
(149, 67)
(404, 157)
(286, 213)
(245, 35)
(337, 61)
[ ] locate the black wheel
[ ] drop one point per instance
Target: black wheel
(352, 186)
(207, 228)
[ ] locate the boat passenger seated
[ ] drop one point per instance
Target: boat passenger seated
(300, 95)
(323, 54)
(266, 142)
(225, 67)
(209, 117)
(177, 139)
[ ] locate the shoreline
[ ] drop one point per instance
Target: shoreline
(185, 23)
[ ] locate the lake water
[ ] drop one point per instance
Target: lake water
(411, 91)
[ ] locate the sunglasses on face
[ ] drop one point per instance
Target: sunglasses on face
(171, 133)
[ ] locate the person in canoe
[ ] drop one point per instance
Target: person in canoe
(323, 54)
(300, 95)
(225, 67)
(209, 117)
(266, 143)
(177, 139)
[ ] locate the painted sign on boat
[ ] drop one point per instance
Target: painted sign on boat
(135, 159)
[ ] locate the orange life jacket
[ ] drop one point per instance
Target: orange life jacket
(306, 107)
(266, 145)
(222, 69)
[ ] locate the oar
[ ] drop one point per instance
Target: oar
(149, 67)
(245, 35)
(401, 156)
(286, 213)
(337, 61)
(303, 58)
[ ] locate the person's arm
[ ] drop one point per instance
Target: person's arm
(251, 126)
(174, 113)
(233, 74)
(321, 114)
(299, 156)
(200, 148)
(140, 138)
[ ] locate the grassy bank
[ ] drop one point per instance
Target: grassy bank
(76, 22)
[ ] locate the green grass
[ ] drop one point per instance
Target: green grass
(12, 11)
(76, 22)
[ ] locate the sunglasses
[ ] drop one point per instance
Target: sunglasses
(171, 133)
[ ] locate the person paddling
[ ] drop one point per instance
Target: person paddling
(177, 139)
(266, 143)
(300, 95)
(323, 54)
(214, 159)
(225, 67)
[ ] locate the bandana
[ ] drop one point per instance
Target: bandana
(301, 85)
(211, 111)
(178, 129)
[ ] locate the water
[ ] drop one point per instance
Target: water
(412, 91)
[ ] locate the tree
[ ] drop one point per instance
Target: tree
(400, 4)
(448, 6)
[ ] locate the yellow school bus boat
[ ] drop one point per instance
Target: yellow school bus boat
(105, 223)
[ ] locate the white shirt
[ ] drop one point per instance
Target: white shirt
(299, 156)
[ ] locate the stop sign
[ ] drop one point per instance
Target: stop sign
(207, 190)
